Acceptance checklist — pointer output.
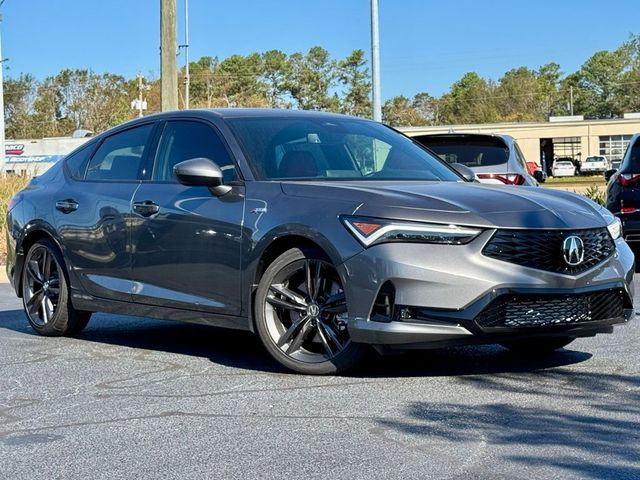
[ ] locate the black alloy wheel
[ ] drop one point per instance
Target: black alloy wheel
(301, 314)
(45, 294)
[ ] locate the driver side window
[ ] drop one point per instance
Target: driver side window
(183, 140)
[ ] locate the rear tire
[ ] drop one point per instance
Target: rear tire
(301, 314)
(45, 293)
(538, 346)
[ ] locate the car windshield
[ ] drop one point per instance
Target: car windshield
(595, 159)
(469, 151)
(564, 164)
(333, 148)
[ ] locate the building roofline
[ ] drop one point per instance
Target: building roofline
(516, 125)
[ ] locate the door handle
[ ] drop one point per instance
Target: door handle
(67, 206)
(146, 208)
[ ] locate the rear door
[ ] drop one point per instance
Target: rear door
(186, 241)
(93, 210)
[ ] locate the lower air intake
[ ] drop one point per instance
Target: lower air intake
(525, 310)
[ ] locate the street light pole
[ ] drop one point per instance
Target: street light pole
(187, 79)
(375, 62)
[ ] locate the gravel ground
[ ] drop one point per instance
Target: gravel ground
(138, 398)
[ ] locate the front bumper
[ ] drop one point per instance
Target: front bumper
(445, 288)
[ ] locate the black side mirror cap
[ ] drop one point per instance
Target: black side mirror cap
(609, 173)
(468, 174)
(201, 172)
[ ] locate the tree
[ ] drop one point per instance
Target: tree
(470, 100)
(311, 79)
(354, 76)
(600, 81)
(19, 94)
(275, 69)
(399, 112)
(518, 96)
(549, 76)
(427, 107)
(239, 83)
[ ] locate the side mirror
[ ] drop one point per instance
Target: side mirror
(609, 173)
(468, 174)
(201, 172)
(539, 176)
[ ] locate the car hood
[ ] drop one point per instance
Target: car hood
(470, 204)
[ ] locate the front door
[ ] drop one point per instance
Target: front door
(186, 241)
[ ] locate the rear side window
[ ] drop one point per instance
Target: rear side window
(77, 161)
(119, 157)
(520, 156)
(184, 140)
(472, 152)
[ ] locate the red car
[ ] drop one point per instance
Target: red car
(534, 167)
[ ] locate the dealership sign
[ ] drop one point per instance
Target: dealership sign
(14, 153)
(14, 149)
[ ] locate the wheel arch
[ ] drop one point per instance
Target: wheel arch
(33, 233)
(276, 247)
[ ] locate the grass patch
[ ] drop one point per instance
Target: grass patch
(582, 179)
(9, 186)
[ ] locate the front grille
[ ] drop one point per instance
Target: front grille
(542, 249)
(544, 310)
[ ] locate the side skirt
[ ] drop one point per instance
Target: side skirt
(82, 301)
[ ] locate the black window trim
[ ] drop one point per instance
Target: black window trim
(91, 145)
(143, 162)
(158, 140)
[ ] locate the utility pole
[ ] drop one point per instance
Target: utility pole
(140, 89)
(168, 47)
(187, 79)
(571, 99)
(375, 62)
(2, 157)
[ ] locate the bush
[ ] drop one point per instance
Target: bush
(595, 194)
(9, 185)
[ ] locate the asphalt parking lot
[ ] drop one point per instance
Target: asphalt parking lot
(138, 398)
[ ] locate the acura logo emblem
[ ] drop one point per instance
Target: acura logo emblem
(573, 250)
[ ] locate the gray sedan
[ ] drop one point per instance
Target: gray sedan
(321, 233)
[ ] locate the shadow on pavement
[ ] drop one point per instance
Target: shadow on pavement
(594, 415)
(243, 350)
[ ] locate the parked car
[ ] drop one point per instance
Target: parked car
(623, 192)
(563, 169)
(495, 159)
(320, 233)
(533, 167)
(576, 162)
(595, 164)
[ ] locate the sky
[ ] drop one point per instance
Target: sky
(425, 45)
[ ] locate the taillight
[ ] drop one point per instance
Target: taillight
(506, 178)
(628, 179)
(628, 210)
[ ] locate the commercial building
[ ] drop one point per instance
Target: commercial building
(34, 156)
(563, 137)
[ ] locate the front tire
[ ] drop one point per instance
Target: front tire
(45, 293)
(538, 346)
(301, 314)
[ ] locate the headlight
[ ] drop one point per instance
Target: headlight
(370, 231)
(615, 228)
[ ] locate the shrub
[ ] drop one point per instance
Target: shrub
(595, 194)
(9, 185)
